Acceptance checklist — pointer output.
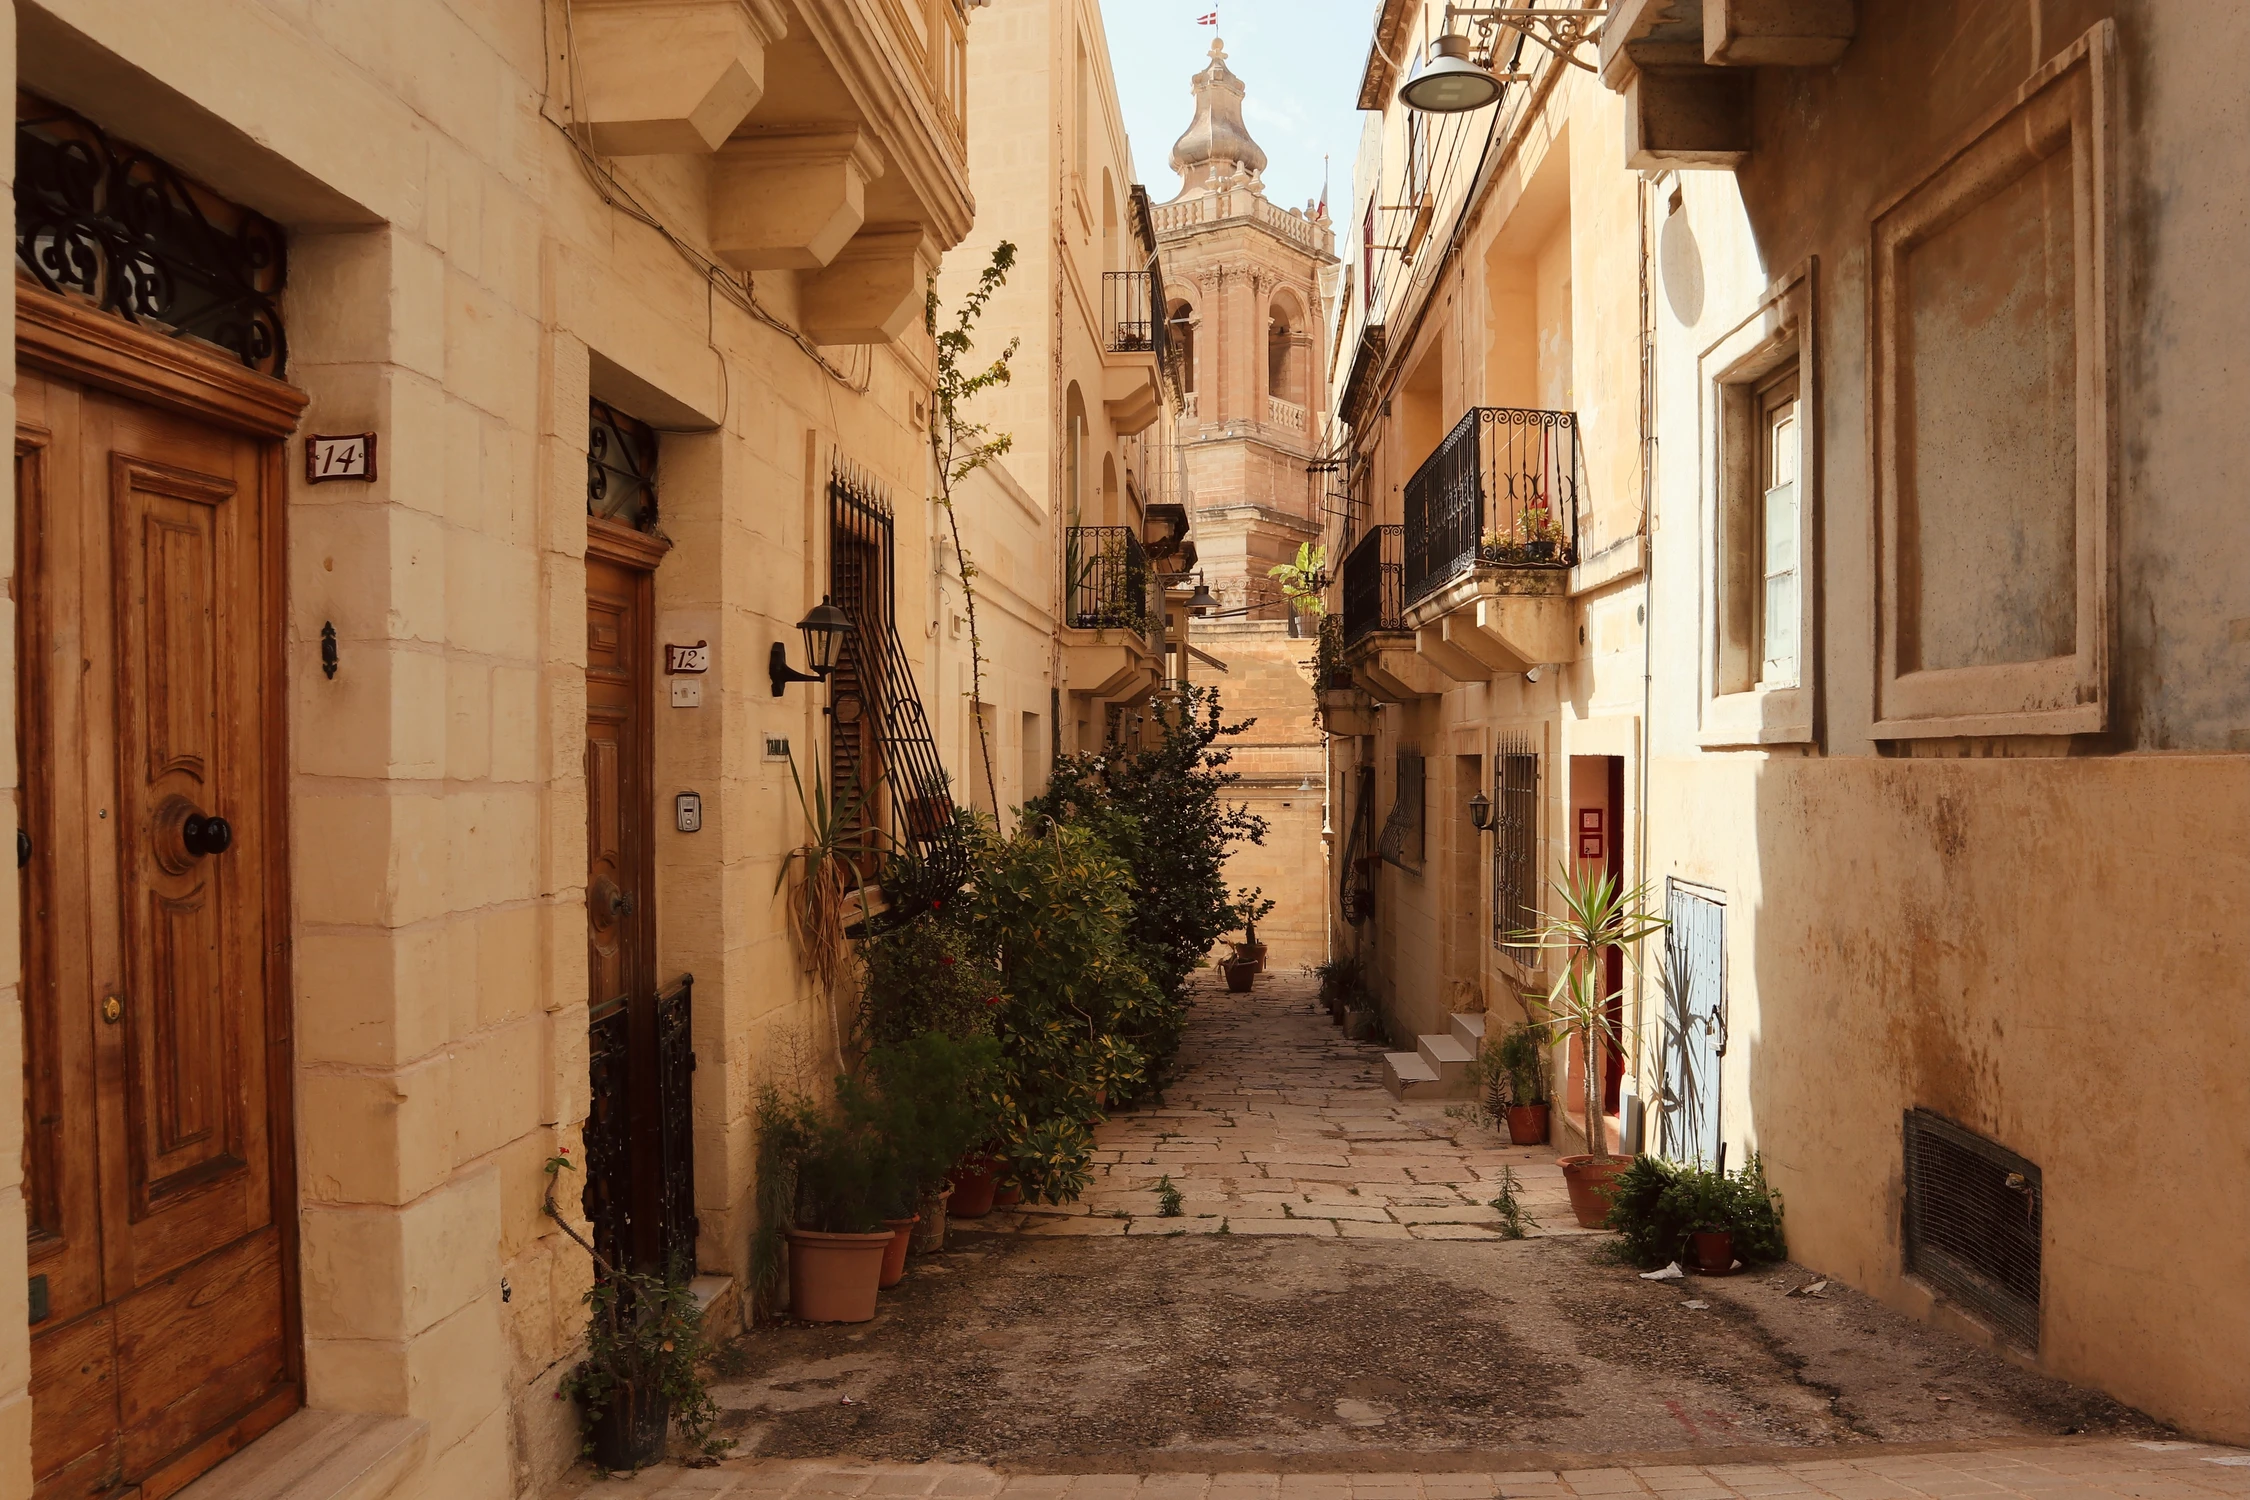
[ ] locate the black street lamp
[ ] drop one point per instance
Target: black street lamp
(824, 630)
(1480, 812)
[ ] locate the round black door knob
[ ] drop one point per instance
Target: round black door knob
(206, 835)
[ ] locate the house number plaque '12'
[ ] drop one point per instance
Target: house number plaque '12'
(348, 455)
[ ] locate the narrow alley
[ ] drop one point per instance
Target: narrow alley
(1334, 1295)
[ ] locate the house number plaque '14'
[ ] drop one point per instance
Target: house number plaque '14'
(348, 455)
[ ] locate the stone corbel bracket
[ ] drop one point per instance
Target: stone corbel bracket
(1682, 66)
(874, 290)
(791, 200)
(670, 77)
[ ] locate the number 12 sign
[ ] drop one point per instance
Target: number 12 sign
(348, 455)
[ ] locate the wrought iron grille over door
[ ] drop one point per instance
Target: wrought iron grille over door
(1402, 839)
(1515, 906)
(108, 221)
(1355, 887)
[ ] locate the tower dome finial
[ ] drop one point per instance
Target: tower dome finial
(1217, 141)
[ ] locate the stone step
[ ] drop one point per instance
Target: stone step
(1407, 1076)
(1468, 1030)
(1448, 1057)
(319, 1455)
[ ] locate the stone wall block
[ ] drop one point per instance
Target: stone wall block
(15, 1350)
(468, 726)
(564, 1058)
(529, 1313)
(350, 883)
(476, 1465)
(374, 1137)
(496, 1097)
(492, 841)
(514, 724)
(359, 1375)
(369, 996)
(492, 597)
(507, 964)
(491, 352)
(457, 1371)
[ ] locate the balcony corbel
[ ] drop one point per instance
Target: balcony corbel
(873, 291)
(671, 77)
(791, 200)
(1130, 395)
(1431, 643)
(1681, 68)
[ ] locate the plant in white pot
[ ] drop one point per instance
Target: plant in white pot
(1595, 913)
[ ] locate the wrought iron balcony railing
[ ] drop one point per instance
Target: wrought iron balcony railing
(1375, 584)
(1129, 322)
(1501, 490)
(1109, 579)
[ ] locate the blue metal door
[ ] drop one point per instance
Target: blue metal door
(1694, 982)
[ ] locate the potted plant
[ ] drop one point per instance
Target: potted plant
(826, 1181)
(928, 1098)
(1522, 1055)
(1703, 1218)
(638, 1376)
(1250, 950)
(976, 1180)
(1239, 973)
(1596, 914)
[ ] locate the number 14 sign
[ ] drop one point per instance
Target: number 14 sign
(349, 455)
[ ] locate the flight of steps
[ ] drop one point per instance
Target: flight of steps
(1438, 1067)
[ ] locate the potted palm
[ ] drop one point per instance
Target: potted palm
(826, 1179)
(1522, 1055)
(1596, 914)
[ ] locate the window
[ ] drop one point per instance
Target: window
(620, 468)
(1401, 844)
(1777, 525)
(1760, 524)
(1515, 900)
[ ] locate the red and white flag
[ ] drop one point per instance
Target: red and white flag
(1210, 20)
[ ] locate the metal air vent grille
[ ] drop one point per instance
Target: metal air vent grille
(1972, 1227)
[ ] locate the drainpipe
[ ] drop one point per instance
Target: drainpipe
(1648, 602)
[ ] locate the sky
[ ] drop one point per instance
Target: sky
(1299, 60)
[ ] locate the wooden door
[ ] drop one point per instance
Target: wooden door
(156, 1135)
(624, 1172)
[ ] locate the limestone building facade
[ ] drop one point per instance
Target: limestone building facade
(1808, 501)
(434, 420)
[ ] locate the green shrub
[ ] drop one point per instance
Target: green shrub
(1656, 1205)
(927, 974)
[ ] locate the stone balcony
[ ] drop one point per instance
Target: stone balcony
(1491, 619)
(853, 177)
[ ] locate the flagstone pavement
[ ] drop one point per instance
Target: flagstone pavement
(1278, 1125)
(2065, 1470)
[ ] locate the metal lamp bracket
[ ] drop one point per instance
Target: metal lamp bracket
(1561, 32)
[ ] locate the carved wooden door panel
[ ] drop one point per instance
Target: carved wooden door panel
(147, 695)
(624, 1175)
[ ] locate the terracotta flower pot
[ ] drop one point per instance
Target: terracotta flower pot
(1239, 976)
(894, 1254)
(1007, 1195)
(1588, 1178)
(929, 1234)
(1527, 1124)
(1713, 1249)
(832, 1277)
(973, 1187)
(1253, 954)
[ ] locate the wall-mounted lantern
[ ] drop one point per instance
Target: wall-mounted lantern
(1480, 812)
(824, 630)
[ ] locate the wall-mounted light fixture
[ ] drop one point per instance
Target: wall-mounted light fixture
(1480, 812)
(1202, 601)
(824, 630)
(1452, 84)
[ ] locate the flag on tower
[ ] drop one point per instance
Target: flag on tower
(1322, 211)
(1208, 20)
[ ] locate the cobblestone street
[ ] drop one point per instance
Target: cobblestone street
(1278, 1125)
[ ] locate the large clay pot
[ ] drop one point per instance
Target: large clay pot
(1713, 1250)
(832, 1277)
(1239, 976)
(1006, 1195)
(1253, 954)
(1588, 1178)
(894, 1254)
(629, 1434)
(1527, 1124)
(973, 1187)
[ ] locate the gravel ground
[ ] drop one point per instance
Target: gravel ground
(1074, 1355)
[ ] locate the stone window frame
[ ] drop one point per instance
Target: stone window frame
(1737, 710)
(2071, 100)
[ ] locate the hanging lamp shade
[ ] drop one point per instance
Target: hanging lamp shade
(1452, 84)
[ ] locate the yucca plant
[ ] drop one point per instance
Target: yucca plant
(821, 876)
(1596, 913)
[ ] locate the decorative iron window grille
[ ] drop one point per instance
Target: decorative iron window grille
(1375, 584)
(620, 468)
(1355, 884)
(107, 221)
(1401, 844)
(1109, 577)
(1501, 490)
(1973, 1223)
(880, 734)
(1515, 865)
